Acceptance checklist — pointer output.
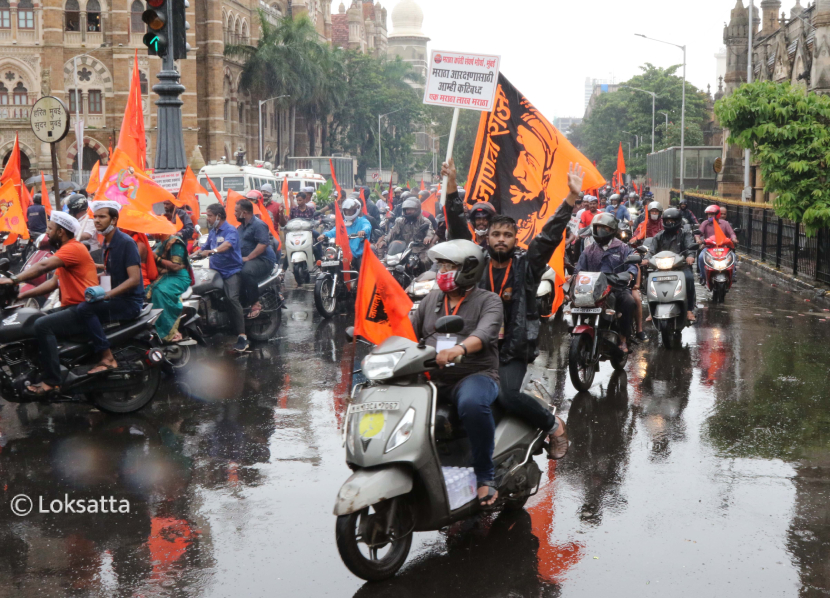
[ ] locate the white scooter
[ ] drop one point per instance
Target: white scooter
(545, 293)
(299, 247)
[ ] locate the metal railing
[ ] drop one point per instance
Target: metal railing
(776, 241)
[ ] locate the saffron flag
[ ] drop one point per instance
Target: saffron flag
(620, 164)
(25, 201)
(391, 196)
(423, 186)
(126, 183)
(188, 191)
(131, 140)
(216, 192)
(94, 179)
(363, 201)
(11, 214)
(520, 165)
(429, 204)
(341, 237)
(137, 220)
(334, 179)
(286, 201)
(44, 195)
(382, 306)
(12, 170)
(230, 208)
(721, 240)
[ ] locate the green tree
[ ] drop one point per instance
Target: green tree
(600, 134)
(788, 130)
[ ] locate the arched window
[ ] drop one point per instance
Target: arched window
(96, 104)
(136, 24)
(4, 95)
(244, 32)
(93, 16)
(25, 14)
(5, 15)
(72, 16)
(142, 81)
(21, 94)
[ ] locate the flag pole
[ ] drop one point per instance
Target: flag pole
(450, 144)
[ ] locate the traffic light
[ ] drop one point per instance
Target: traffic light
(179, 29)
(158, 27)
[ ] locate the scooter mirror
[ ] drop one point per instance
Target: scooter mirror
(350, 334)
(642, 250)
(634, 258)
(449, 325)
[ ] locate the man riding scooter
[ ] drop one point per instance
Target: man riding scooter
(355, 225)
(707, 228)
(258, 257)
(673, 239)
(413, 228)
(650, 227)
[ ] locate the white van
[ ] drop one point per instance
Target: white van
(239, 178)
(299, 179)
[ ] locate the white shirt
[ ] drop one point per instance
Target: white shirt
(381, 205)
(88, 227)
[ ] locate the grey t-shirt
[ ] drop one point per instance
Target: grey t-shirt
(483, 315)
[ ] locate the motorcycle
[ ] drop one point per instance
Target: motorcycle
(125, 389)
(595, 332)
(299, 246)
(410, 459)
(403, 263)
(666, 295)
(718, 268)
(43, 251)
(208, 296)
(331, 285)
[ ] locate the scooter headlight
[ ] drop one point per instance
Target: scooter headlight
(664, 263)
(422, 288)
(403, 431)
(720, 264)
(380, 367)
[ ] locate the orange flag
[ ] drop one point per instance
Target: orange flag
(25, 201)
(423, 187)
(721, 239)
(334, 178)
(285, 200)
(341, 237)
(11, 214)
(44, 195)
(12, 171)
(216, 192)
(230, 208)
(620, 164)
(94, 179)
(141, 221)
(429, 203)
(187, 192)
(382, 306)
(127, 184)
(131, 140)
(363, 202)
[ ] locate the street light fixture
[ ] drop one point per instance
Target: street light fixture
(654, 97)
(666, 114)
(380, 155)
(259, 114)
(629, 143)
(682, 112)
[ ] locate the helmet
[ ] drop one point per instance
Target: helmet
(267, 188)
(655, 205)
(633, 196)
(76, 203)
(467, 255)
(422, 195)
(672, 219)
(603, 219)
(410, 203)
(350, 204)
(713, 209)
(385, 193)
(482, 209)
(254, 195)
(398, 189)
(615, 197)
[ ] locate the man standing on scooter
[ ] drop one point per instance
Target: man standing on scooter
(515, 276)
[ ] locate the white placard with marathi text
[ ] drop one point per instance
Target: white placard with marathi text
(170, 181)
(462, 80)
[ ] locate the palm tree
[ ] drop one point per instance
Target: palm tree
(328, 93)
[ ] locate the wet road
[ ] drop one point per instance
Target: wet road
(702, 471)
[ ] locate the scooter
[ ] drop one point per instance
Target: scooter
(331, 285)
(299, 246)
(410, 459)
(545, 293)
(420, 288)
(595, 330)
(666, 296)
(718, 268)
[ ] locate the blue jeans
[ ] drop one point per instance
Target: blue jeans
(473, 397)
(95, 315)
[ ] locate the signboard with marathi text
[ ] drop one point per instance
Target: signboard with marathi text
(49, 119)
(170, 181)
(462, 80)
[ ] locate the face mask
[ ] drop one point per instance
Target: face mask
(654, 216)
(108, 230)
(212, 226)
(481, 233)
(446, 281)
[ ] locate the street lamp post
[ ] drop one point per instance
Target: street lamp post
(682, 113)
(653, 102)
(749, 73)
(78, 142)
(259, 114)
(380, 155)
(435, 153)
(666, 114)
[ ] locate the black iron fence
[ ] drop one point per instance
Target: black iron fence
(777, 241)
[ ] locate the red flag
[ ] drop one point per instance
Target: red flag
(230, 208)
(720, 238)
(382, 306)
(286, 201)
(188, 191)
(44, 195)
(620, 164)
(423, 186)
(391, 196)
(363, 202)
(131, 140)
(341, 237)
(25, 201)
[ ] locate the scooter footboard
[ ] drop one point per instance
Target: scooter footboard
(367, 487)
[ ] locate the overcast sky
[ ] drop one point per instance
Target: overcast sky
(548, 47)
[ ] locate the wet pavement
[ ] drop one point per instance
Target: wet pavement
(700, 471)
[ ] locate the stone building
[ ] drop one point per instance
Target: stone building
(54, 47)
(794, 48)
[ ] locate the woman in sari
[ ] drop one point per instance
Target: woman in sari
(174, 279)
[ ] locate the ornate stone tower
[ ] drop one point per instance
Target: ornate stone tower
(820, 73)
(769, 16)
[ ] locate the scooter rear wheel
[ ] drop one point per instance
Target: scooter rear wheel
(582, 373)
(360, 541)
(131, 400)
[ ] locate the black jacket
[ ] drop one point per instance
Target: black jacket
(677, 241)
(521, 332)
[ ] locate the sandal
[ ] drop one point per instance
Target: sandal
(37, 391)
(255, 311)
(492, 492)
(107, 367)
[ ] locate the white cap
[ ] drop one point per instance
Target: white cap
(267, 188)
(97, 205)
(64, 220)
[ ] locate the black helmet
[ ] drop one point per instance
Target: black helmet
(603, 219)
(672, 219)
(482, 209)
(76, 203)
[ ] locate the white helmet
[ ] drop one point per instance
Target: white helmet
(468, 256)
(350, 204)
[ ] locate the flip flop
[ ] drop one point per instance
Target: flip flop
(491, 492)
(107, 367)
(41, 392)
(254, 314)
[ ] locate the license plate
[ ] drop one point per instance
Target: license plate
(664, 278)
(375, 406)
(331, 263)
(586, 310)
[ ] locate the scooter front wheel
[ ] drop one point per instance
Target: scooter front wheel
(323, 300)
(372, 547)
(580, 364)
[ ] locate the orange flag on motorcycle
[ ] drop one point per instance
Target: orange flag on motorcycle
(382, 306)
(334, 179)
(721, 240)
(94, 179)
(11, 214)
(132, 139)
(44, 195)
(187, 193)
(230, 209)
(429, 204)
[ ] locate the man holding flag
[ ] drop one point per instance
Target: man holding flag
(514, 276)
(356, 225)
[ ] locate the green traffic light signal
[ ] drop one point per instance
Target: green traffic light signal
(158, 27)
(156, 43)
